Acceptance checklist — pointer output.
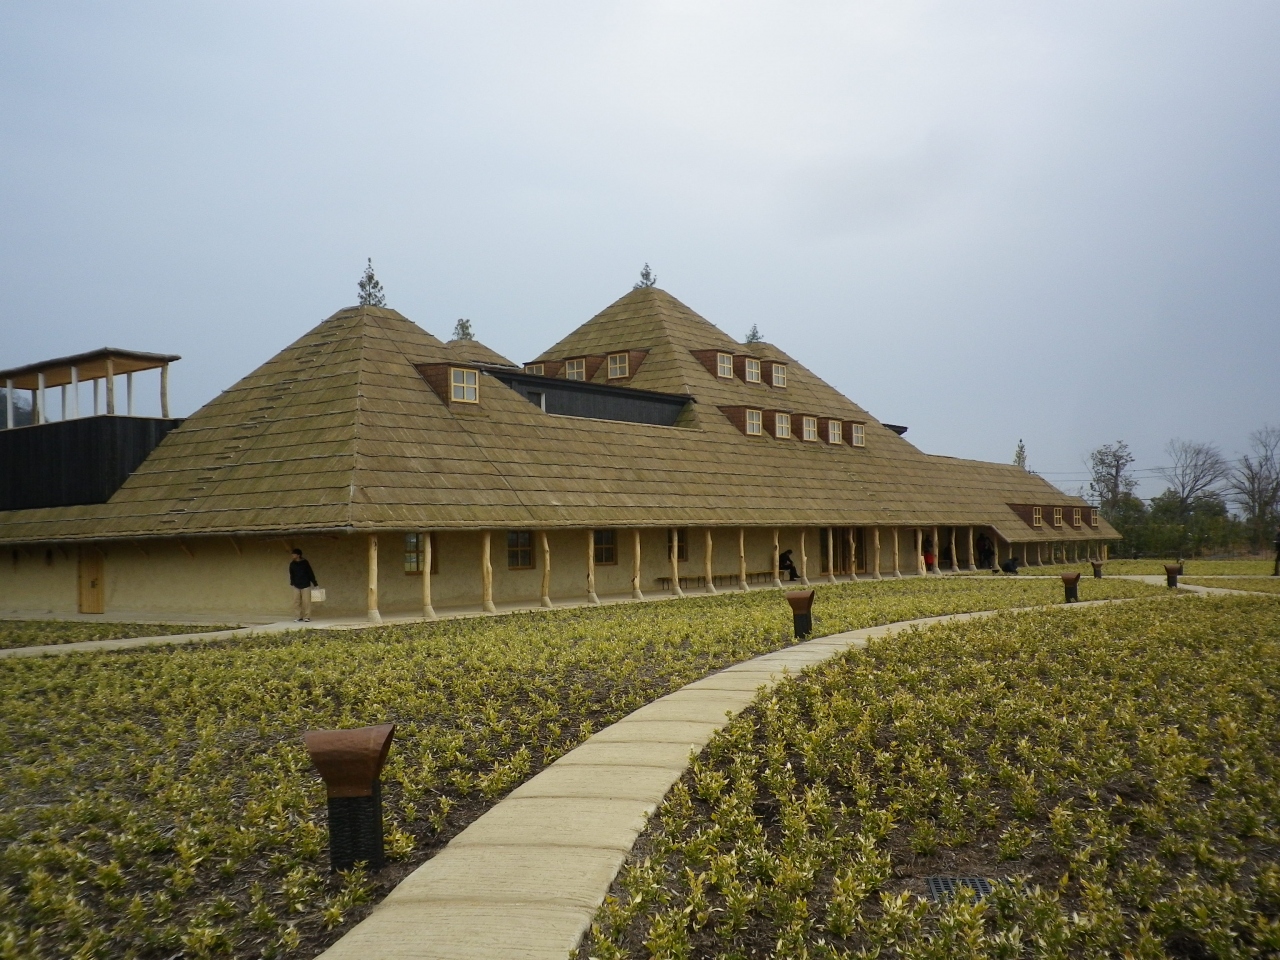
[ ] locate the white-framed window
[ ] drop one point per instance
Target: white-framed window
(1037, 517)
(618, 366)
(520, 550)
(1057, 516)
(834, 428)
(779, 374)
(724, 365)
(535, 368)
(1075, 516)
(755, 423)
(1093, 518)
(575, 369)
(752, 370)
(809, 429)
(858, 434)
(466, 385)
(782, 425)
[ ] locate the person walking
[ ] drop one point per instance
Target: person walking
(302, 578)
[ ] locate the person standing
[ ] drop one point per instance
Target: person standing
(302, 578)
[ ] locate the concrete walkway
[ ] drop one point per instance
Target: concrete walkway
(524, 881)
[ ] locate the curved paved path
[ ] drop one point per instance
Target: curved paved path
(524, 881)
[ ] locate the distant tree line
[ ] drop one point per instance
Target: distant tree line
(1209, 506)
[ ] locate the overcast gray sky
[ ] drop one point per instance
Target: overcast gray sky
(987, 221)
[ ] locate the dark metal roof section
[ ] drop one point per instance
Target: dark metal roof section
(596, 401)
(896, 428)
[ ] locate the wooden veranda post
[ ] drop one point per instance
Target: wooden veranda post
(675, 563)
(897, 569)
(591, 567)
(373, 613)
(164, 391)
(486, 573)
(428, 610)
(937, 551)
(972, 565)
(777, 576)
(706, 563)
(544, 546)
(853, 553)
(636, 592)
(955, 557)
(804, 562)
(831, 555)
(742, 558)
(111, 386)
(920, 564)
(875, 549)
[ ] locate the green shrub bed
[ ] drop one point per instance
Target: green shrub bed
(1115, 771)
(39, 633)
(1155, 568)
(159, 803)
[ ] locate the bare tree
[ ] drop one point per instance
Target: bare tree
(1112, 482)
(1254, 484)
(1196, 469)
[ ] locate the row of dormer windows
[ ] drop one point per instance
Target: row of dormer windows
(618, 367)
(753, 369)
(1077, 516)
(786, 427)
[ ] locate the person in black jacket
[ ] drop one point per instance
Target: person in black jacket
(786, 564)
(302, 578)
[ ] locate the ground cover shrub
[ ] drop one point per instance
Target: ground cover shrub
(1116, 770)
(1155, 568)
(1256, 584)
(38, 633)
(159, 803)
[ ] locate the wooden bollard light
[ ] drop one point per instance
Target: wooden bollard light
(1071, 587)
(350, 763)
(1171, 571)
(802, 611)
(1097, 569)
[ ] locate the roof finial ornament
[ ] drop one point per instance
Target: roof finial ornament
(647, 278)
(754, 335)
(462, 330)
(371, 294)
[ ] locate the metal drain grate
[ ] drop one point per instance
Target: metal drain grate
(943, 889)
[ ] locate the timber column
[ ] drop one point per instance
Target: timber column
(636, 593)
(675, 563)
(955, 557)
(804, 562)
(972, 565)
(853, 555)
(777, 576)
(937, 552)
(591, 567)
(897, 570)
(373, 613)
(921, 567)
(428, 611)
(706, 564)
(875, 548)
(742, 558)
(545, 546)
(486, 574)
(831, 555)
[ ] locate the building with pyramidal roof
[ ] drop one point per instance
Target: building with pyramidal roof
(646, 453)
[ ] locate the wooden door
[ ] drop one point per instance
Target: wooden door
(91, 592)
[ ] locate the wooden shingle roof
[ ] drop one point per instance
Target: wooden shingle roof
(340, 432)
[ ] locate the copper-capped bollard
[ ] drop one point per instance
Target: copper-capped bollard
(350, 762)
(1171, 571)
(1097, 569)
(802, 611)
(1071, 586)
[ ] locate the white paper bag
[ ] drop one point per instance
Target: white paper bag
(317, 594)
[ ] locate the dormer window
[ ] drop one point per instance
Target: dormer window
(779, 374)
(809, 429)
(536, 369)
(1075, 516)
(724, 365)
(465, 385)
(752, 370)
(1093, 518)
(1037, 517)
(782, 426)
(618, 367)
(857, 435)
(834, 428)
(1057, 516)
(576, 369)
(755, 423)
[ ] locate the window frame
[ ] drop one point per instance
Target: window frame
(835, 432)
(778, 375)
(622, 360)
(724, 362)
(858, 435)
(809, 429)
(751, 371)
(413, 568)
(604, 547)
(537, 369)
(1077, 518)
(458, 389)
(1093, 516)
(682, 545)
(781, 425)
(756, 421)
(1057, 516)
(1037, 516)
(578, 365)
(520, 543)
